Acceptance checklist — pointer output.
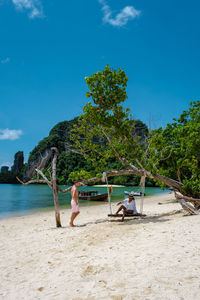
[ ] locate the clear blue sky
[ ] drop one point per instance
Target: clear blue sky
(48, 47)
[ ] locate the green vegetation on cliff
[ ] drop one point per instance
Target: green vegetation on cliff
(58, 137)
(71, 165)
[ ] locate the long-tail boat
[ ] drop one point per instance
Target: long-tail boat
(92, 195)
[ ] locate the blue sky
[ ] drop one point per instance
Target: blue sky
(48, 47)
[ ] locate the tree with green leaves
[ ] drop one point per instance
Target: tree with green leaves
(106, 130)
(174, 151)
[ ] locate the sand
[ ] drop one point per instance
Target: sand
(156, 257)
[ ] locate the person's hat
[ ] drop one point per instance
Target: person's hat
(131, 195)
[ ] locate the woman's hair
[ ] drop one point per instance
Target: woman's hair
(76, 181)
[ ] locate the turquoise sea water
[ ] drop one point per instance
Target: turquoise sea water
(16, 200)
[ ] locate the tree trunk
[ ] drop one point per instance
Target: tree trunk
(55, 189)
(179, 174)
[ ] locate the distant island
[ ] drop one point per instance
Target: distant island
(17, 169)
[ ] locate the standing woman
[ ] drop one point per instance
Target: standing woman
(74, 202)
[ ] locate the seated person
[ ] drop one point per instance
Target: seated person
(128, 206)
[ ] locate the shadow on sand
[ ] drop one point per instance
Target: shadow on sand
(129, 221)
(133, 220)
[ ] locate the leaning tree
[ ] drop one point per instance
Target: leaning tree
(107, 129)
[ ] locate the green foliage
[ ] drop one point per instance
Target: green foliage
(106, 128)
(69, 162)
(8, 177)
(58, 137)
(122, 180)
(174, 151)
(107, 88)
(79, 175)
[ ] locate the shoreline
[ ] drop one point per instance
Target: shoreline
(17, 214)
(148, 201)
(33, 198)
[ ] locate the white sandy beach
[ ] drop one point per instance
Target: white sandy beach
(156, 257)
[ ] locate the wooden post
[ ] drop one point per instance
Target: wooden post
(55, 189)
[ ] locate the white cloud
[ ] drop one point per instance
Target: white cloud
(34, 7)
(5, 60)
(10, 134)
(121, 19)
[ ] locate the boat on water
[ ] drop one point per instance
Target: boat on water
(136, 194)
(92, 195)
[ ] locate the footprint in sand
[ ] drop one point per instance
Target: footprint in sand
(103, 281)
(92, 270)
(117, 297)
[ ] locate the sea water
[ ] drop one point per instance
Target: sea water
(19, 200)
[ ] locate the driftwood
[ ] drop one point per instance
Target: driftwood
(188, 207)
(186, 198)
(32, 181)
(55, 190)
(191, 209)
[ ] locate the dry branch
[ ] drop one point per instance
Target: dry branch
(188, 207)
(42, 174)
(186, 198)
(44, 182)
(32, 181)
(64, 191)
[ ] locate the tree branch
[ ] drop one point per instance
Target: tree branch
(32, 181)
(113, 148)
(42, 159)
(188, 199)
(188, 207)
(43, 176)
(64, 191)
